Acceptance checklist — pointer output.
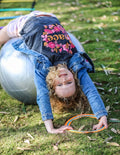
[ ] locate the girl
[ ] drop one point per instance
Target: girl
(54, 55)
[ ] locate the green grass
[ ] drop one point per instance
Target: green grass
(94, 20)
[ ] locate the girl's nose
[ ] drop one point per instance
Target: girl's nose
(63, 80)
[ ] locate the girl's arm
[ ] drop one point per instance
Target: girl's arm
(43, 99)
(3, 36)
(94, 98)
(77, 64)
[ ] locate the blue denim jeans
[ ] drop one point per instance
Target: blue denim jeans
(78, 65)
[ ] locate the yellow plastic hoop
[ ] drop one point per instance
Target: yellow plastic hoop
(80, 116)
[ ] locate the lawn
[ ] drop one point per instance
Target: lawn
(96, 24)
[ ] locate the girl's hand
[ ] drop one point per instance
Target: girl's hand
(62, 129)
(50, 128)
(103, 121)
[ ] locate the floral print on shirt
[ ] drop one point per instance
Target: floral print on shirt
(56, 39)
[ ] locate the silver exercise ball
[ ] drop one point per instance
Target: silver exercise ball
(17, 74)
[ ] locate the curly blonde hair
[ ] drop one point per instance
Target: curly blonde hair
(76, 102)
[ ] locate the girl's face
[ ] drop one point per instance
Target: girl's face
(64, 83)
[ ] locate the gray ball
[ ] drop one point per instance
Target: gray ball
(17, 74)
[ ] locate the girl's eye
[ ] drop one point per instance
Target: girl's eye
(69, 82)
(59, 85)
(66, 83)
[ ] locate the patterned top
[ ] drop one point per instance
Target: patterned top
(43, 33)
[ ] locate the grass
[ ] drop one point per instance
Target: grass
(22, 130)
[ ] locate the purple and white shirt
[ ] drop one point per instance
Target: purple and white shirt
(16, 25)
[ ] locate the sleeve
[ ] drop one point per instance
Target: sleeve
(92, 94)
(43, 99)
(15, 26)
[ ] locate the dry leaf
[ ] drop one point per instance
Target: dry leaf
(104, 17)
(114, 120)
(114, 130)
(118, 131)
(16, 118)
(24, 148)
(27, 141)
(85, 42)
(30, 135)
(118, 31)
(90, 138)
(57, 143)
(98, 84)
(67, 4)
(116, 90)
(110, 90)
(115, 13)
(115, 73)
(56, 3)
(93, 19)
(97, 39)
(104, 68)
(72, 20)
(107, 99)
(107, 108)
(22, 117)
(100, 88)
(113, 143)
(64, 23)
(81, 127)
(116, 41)
(108, 139)
(94, 59)
(55, 147)
(3, 112)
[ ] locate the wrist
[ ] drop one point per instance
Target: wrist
(104, 116)
(49, 126)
